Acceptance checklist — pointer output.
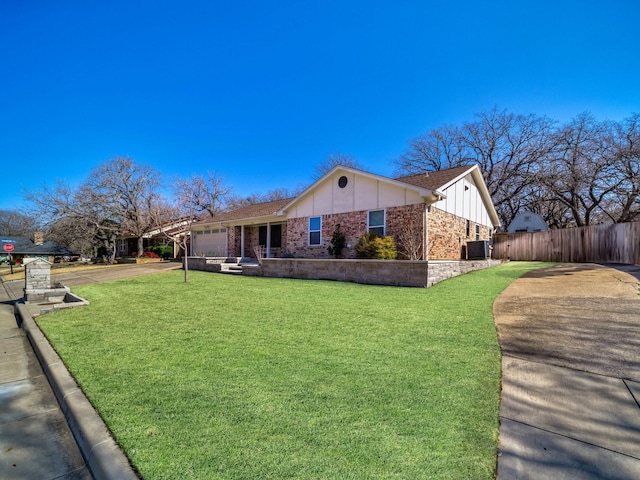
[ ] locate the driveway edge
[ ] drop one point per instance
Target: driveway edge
(100, 451)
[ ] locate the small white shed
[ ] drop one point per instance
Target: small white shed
(527, 222)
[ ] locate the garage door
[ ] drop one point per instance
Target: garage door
(210, 243)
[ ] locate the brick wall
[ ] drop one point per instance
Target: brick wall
(233, 241)
(352, 224)
(447, 234)
(373, 272)
(406, 225)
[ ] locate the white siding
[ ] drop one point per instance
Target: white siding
(360, 193)
(467, 203)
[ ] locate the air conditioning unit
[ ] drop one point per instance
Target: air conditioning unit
(478, 250)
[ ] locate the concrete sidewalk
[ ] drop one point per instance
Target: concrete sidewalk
(36, 440)
(570, 337)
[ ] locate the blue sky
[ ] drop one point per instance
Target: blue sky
(262, 92)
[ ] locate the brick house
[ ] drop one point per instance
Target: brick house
(431, 216)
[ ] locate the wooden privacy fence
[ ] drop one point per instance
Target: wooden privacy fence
(614, 243)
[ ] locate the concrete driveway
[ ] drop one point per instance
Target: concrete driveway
(570, 338)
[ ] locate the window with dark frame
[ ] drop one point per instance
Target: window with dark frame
(276, 235)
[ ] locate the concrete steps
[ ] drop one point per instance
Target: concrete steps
(231, 268)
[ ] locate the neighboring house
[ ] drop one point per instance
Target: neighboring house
(528, 222)
(171, 233)
(37, 247)
(440, 211)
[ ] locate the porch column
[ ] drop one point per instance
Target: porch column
(268, 252)
(425, 232)
(242, 241)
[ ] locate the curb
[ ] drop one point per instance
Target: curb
(100, 451)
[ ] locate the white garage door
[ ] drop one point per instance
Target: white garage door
(211, 243)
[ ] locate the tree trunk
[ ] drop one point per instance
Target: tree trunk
(185, 265)
(140, 246)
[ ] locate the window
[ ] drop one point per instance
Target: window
(123, 245)
(468, 228)
(315, 229)
(477, 232)
(490, 233)
(376, 222)
(276, 236)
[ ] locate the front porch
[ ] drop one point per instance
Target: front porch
(254, 242)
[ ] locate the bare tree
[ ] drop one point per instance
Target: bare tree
(507, 147)
(438, 149)
(81, 206)
(410, 239)
(579, 173)
(13, 223)
(202, 194)
(75, 234)
(623, 205)
(333, 160)
(131, 191)
(192, 198)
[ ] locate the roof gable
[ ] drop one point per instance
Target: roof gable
(417, 190)
(441, 180)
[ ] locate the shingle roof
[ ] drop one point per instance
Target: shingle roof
(434, 180)
(250, 211)
(428, 180)
(25, 246)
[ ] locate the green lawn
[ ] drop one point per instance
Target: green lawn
(250, 378)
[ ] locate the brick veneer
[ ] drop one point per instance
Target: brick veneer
(352, 224)
(406, 221)
(375, 272)
(447, 234)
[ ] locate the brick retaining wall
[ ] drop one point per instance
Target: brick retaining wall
(373, 272)
(440, 270)
(206, 264)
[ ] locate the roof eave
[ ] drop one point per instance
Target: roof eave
(275, 217)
